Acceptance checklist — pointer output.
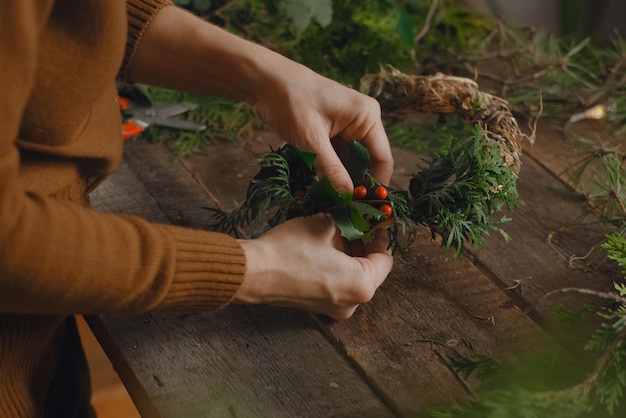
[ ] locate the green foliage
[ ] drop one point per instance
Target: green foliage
(481, 366)
(302, 12)
(568, 317)
(360, 36)
(406, 28)
(575, 385)
(196, 6)
(456, 195)
(286, 187)
(455, 30)
(283, 173)
(517, 404)
(225, 120)
(616, 246)
(463, 186)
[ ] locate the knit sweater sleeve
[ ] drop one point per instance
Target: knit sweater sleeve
(59, 257)
(140, 14)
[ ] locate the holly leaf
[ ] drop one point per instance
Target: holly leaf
(357, 219)
(344, 220)
(349, 215)
(323, 191)
(368, 210)
(307, 157)
(356, 159)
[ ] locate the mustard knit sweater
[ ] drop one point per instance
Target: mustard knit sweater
(59, 138)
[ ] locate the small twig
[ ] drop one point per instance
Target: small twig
(428, 340)
(587, 385)
(549, 242)
(518, 283)
(427, 22)
(489, 318)
(602, 361)
(532, 124)
(616, 195)
(597, 96)
(584, 257)
(584, 291)
(537, 74)
(218, 12)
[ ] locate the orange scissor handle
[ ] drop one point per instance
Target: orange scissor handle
(124, 102)
(130, 129)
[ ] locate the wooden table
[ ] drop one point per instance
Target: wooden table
(388, 359)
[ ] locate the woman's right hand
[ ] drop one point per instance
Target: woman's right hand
(304, 263)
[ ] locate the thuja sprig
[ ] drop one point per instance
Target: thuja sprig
(278, 189)
(464, 185)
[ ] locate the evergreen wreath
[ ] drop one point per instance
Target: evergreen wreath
(456, 194)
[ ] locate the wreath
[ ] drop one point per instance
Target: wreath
(456, 193)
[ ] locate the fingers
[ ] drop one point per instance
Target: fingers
(367, 127)
(341, 314)
(381, 163)
(380, 244)
(335, 287)
(328, 164)
(375, 268)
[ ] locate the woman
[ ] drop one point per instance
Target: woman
(60, 137)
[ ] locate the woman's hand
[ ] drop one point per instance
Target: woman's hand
(307, 110)
(306, 264)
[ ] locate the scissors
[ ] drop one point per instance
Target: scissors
(136, 117)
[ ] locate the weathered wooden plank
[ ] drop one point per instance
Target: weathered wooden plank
(430, 306)
(252, 362)
(544, 237)
(555, 150)
(241, 361)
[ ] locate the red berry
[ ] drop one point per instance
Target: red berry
(387, 210)
(381, 192)
(300, 193)
(359, 192)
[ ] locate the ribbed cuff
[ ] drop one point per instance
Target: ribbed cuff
(140, 14)
(209, 269)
